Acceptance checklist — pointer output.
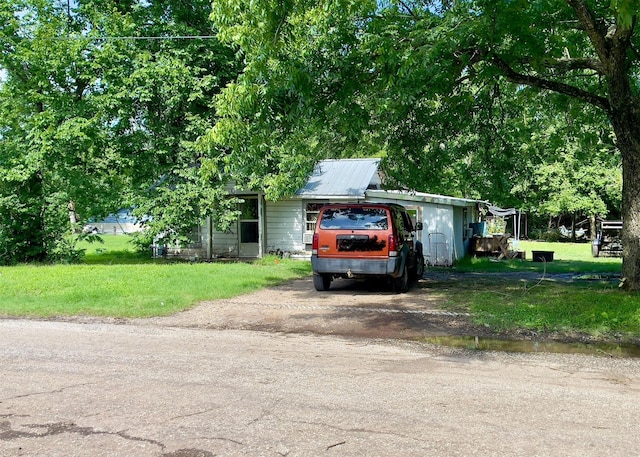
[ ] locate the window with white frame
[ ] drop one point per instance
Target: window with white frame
(311, 212)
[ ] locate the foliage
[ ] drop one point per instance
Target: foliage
(476, 99)
(367, 78)
(52, 141)
(101, 105)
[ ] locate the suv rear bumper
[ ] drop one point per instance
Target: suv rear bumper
(387, 267)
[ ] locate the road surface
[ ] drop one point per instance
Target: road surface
(100, 389)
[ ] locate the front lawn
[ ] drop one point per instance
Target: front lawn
(585, 298)
(116, 281)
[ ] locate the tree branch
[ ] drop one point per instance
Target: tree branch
(569, 63)
(409, 10)
(595, 32)
(624, 34)
(554, 86)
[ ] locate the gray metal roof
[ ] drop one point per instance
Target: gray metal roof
(421, 197)
(344, 178)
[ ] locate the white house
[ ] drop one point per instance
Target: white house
(286, 226)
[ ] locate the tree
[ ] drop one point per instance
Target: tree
(402, 79)
(169, 92)
(101, 106)
(54, 151)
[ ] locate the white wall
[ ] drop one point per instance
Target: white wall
(442, 235)
(284, 226)
(438, 234)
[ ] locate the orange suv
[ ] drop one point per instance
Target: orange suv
(366, 239)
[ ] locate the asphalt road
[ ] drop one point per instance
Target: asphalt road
(95, 389)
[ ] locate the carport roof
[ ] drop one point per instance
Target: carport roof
(342, 178)
(422, 197)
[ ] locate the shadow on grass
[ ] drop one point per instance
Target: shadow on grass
(119, 258)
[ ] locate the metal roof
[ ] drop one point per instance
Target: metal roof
(341, 178)
(422, 197)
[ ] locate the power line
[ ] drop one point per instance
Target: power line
(178, 37)
(116, 38)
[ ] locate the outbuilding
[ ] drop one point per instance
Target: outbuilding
(286, 227)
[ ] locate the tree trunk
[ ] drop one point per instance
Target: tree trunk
(625, 119)
(627, 130)
(631, 220)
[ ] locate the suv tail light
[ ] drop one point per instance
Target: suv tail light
(393, 246)
(314, 246)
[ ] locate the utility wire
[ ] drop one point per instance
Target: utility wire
(178, 37)
(117, 38)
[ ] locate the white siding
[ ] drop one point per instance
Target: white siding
(438, 234)
(225, 244)
(285, 226)
(458, 233)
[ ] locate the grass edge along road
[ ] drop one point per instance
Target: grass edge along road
(115, 281)
(591, 303)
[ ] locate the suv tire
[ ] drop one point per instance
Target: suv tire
(419, 263)
(401, 283)
(321, 282)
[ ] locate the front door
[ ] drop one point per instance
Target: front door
(249, 228)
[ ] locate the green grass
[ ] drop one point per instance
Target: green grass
(115, 249)
(567, 258)
(116, 281)
(593, 309)
(592, 303)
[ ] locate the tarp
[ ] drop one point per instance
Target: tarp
(503, 212)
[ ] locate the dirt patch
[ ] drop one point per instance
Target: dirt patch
(360, 309)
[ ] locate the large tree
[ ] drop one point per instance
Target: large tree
(101, 105)
(409, 78)
(55, 154)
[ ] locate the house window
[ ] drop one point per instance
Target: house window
(249, 208)
(248, 232)
(311, 216)
(413, 214)
(311, 213)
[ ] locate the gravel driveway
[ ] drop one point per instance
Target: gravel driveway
(349, 308)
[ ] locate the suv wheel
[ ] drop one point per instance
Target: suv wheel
(401, 283)
(419, 266)
(322, 282)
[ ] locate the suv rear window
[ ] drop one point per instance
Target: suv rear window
(357, 218)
